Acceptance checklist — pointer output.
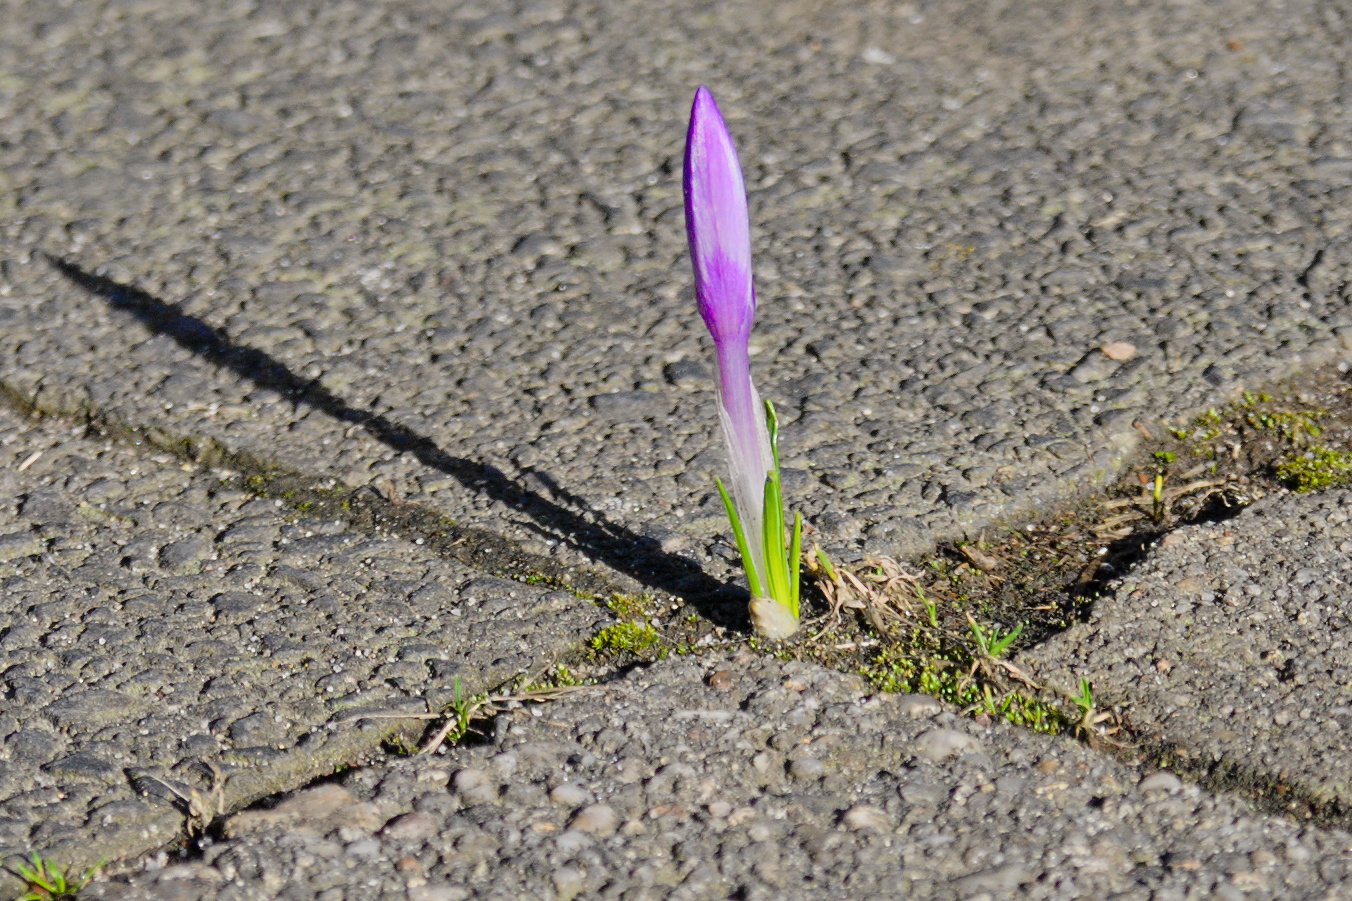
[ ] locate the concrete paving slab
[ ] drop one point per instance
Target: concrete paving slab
(441, 244)
(465, 219)
(751, 778)
(1228, 648)
(172, 648)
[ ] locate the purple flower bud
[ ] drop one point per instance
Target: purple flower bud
(716, 224)
(720, 249)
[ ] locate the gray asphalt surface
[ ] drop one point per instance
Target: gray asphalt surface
(467, 219)
(167, 640)
(442, 245)
(750, 778)
(1230, 644)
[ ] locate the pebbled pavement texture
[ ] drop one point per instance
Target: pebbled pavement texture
(750, 778)
(1230, 645)
(465, 218)
(441, 245)
(166, 641)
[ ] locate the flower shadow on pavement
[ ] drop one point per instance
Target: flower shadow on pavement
(637, 556)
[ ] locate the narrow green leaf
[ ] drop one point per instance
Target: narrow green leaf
(773, 541)
(772, 425)
(825, 561)
(795, 561)
(739, 535)
(999, 645)
(979, 634)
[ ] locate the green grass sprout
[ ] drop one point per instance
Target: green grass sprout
(993, 644)
(47, 882)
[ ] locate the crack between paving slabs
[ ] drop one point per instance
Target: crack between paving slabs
(304, 764)
(636, 556)
(1264, 790)
(479, 549)
(1269, 794)
(1260, 434)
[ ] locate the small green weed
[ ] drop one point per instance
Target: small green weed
(1319, 467)
(632, 637)
(1088, 727)
(628, 607)
(1216, 433)
(47, 882)
(945, 679)
(1085, 699)
(1292, 424)
(558, 677)
(462, 709)
(825, 562)
(931, 609)
(993, 644)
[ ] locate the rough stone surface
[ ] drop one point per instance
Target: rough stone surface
(465, 219)
(437, 248)
(676, 766)
(126, 674)
(1231, 642)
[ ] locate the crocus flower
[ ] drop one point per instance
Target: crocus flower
(720, 250)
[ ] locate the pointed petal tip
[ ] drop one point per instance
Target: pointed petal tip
(704, 108)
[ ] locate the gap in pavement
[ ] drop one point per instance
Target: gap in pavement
(1044, 574)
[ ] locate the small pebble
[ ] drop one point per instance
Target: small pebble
(571, 842)
(414, 826)
(741, 815)
(1164, 781)
(436, 892)
(721, 679)
(806, 769)
(568, 883)
(475, 787)
(570, 795)
(410, 866)
(598, 819)
(865, 818)
(506, 764)
(364, 847)
(939, 745)
(763, 762)
(918, 705)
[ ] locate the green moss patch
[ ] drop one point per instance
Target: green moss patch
(1319, 467)
(634, 638)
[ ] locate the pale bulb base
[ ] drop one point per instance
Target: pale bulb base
(772, 619)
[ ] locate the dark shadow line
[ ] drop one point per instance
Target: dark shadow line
(637, 556)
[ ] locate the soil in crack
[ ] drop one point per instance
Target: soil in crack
(930, 624)
(944, 622)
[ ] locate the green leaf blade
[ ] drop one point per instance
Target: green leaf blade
(739, 535)
(773, 541)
